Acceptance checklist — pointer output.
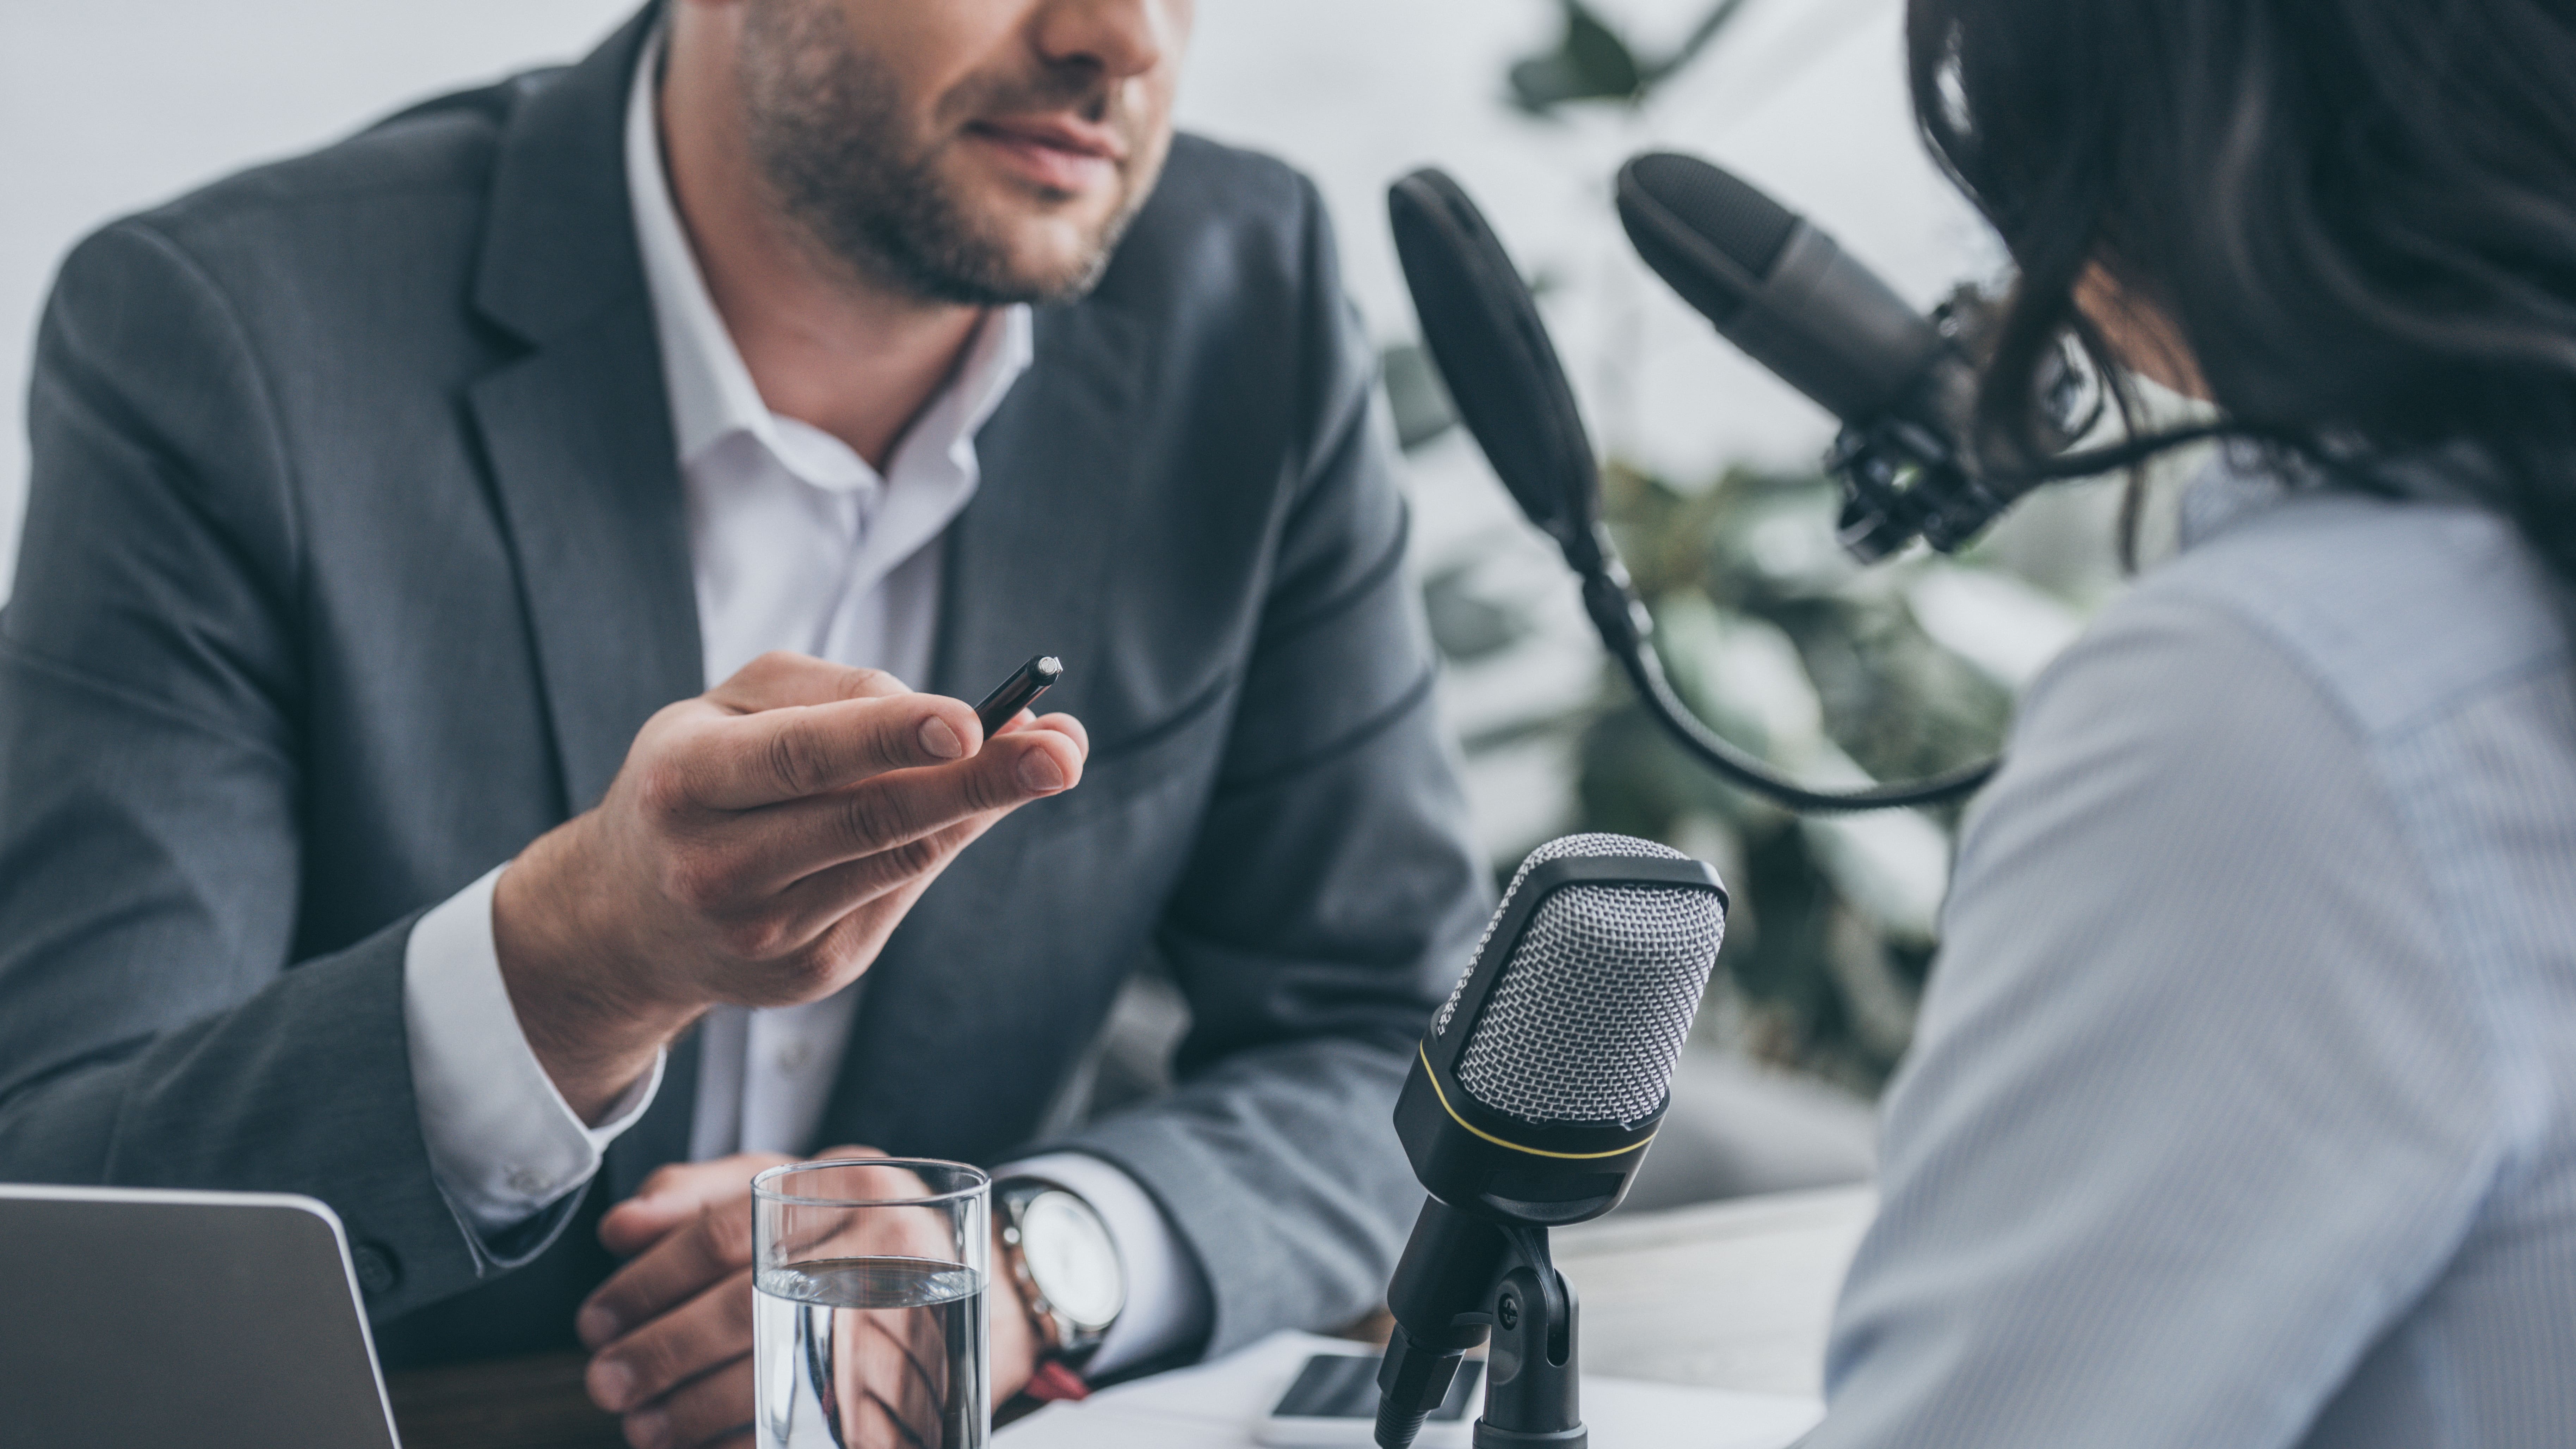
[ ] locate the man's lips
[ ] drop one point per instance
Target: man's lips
(1056, 152)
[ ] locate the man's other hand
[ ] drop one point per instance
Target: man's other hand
(757, 847)
(670, 1332)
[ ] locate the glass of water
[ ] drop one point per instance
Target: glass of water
(870, 1329)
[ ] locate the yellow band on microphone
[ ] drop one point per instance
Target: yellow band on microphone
(1516, 1147)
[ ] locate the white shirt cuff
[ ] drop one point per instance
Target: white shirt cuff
(503, 1143)
(1167, 1296)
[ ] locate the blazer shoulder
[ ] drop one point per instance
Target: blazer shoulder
(1218, 181)
(443, 148)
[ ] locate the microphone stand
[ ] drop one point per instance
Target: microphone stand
(1530, 1390)
(1499, 1277)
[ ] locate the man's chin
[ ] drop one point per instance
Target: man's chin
(1042, 257)
(1063, 270)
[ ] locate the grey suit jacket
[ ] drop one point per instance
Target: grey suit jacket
(355, 556)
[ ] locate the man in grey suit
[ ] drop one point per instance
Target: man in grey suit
(369, 826)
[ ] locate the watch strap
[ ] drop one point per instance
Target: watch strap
(1055, 1382)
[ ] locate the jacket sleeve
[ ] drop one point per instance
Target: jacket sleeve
(157, 1027)
(1330, 900)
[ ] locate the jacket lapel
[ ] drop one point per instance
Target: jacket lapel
(579, 441)
(577, 432)
(576, 436)
(1028, 558)
(1028, 566)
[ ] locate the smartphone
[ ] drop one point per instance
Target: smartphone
(1334, 1403)
(1018, 692)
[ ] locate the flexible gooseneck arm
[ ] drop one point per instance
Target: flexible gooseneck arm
(1625, 630)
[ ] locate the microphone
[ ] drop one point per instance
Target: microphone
(1904, 385)
(1780, 289)
(1529, 1105)
(1485, 334)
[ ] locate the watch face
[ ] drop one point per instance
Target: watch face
(1070, 1255)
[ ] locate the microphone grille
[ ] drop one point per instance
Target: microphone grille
(1721, 208)
(1586, 1021)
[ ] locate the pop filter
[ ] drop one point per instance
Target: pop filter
(1484, 332)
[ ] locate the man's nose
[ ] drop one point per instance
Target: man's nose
(1122, 38)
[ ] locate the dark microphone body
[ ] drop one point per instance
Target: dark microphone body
(1779, 288)
(1903, 384)
(1529, 1105)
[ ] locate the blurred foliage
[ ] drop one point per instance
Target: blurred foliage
(1755, 548)
(1593, 62)
(1824, 669)
(1774, 636)
(1415, 396)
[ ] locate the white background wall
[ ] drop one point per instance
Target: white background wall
(108, 105)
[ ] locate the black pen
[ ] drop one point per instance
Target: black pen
(1017, 692)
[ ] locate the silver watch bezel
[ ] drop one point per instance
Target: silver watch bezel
(1074, 1338)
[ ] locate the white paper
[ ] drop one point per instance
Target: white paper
(1221, 1405)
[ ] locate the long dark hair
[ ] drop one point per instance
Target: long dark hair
(2358, 216)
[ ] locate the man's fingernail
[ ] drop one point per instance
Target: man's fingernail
(940, 740)
(1039, 772)
(596, 1325)
(648, 1428)
(611, 1384)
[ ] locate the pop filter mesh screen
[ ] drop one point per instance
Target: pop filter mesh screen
(1493, 352)
(1587, 1019)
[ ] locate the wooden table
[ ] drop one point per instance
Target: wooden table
(512, 1403)
(1732, 1295)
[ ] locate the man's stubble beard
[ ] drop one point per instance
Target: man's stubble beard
(826, 129)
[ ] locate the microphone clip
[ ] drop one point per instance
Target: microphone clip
(1521, 1306)
(1531, 1394)
(1911, 473)
(1901, 482)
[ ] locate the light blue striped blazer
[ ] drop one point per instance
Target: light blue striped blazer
(2242, 1110)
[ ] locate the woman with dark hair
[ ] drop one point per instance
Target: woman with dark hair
(2243, 1107)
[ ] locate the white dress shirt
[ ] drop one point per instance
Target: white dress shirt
(795, 543)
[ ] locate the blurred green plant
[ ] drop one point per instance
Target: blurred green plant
(1777, 639)
(1593, 62)
(1827, 670)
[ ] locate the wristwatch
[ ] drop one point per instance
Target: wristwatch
(1059, 1252)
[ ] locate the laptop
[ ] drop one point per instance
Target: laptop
(182, 1320)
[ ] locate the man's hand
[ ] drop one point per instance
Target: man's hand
(671, 1331)
(758, 846)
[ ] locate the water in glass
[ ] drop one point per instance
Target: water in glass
(871, 1353)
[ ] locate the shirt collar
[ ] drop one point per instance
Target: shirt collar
(711, 391)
